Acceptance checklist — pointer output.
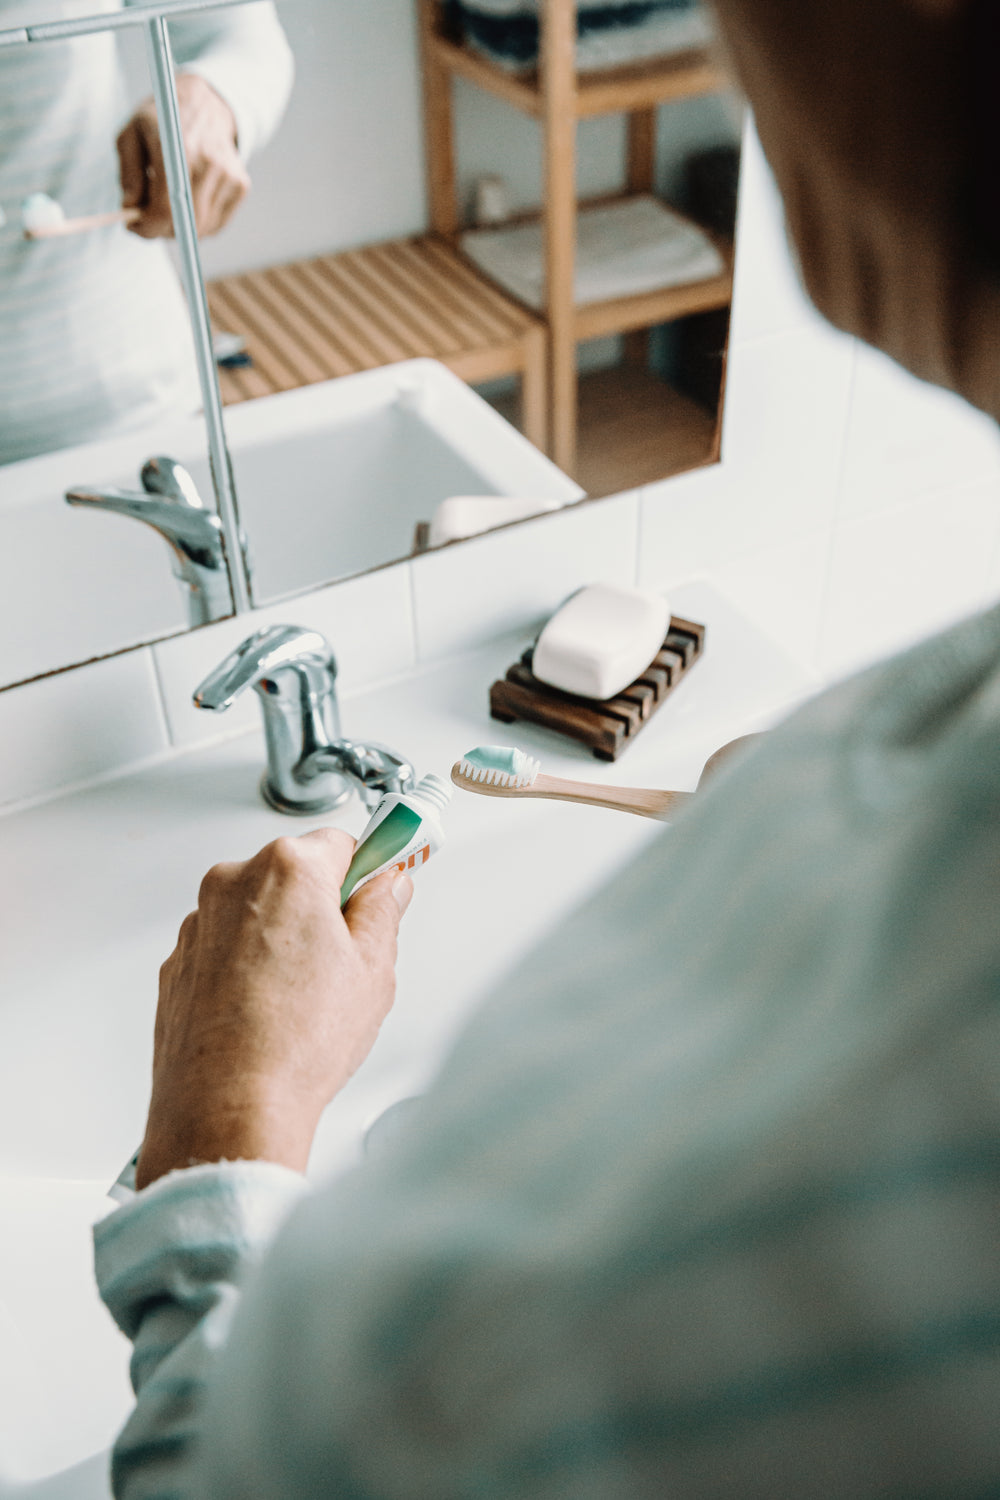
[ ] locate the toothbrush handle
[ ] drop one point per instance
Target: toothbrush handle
(81, 225)
(645, 802)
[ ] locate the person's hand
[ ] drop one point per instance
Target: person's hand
(270, 1001)
(219, 180)
(715, 760)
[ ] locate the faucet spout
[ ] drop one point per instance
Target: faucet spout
(311, 768)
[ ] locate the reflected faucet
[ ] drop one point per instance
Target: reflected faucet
(310, 767)
(170, 503)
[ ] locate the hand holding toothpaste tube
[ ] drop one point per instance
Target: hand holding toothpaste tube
(272, 998)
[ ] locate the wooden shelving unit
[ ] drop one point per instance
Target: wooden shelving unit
(337, 314)
(634, 429)
(421, 296)
(558, 97)
(632, 86)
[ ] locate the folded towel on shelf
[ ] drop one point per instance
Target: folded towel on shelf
(609, 32)
(636, 245)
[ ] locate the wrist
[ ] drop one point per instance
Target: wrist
(176, 1137)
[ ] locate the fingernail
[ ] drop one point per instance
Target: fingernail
(402, 891)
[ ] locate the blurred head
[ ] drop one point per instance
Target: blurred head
(881, 121)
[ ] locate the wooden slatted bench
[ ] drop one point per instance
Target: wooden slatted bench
(315, 319)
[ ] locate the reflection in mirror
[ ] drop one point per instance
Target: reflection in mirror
(100, 375)
(92, 323)
(343, 260)
(76, 584)
(336, 478)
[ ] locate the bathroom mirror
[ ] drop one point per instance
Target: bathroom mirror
(321, 274)
(346, 170)
(98, 347)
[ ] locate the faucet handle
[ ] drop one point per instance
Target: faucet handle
(374, 768)
(268, 653)
(161, 475)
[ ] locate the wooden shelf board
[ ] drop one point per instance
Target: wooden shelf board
(623, 314)
(649, 83)
(634, 429)
(333, 315)
(630, 86)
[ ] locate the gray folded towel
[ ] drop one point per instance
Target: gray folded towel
(608, 31)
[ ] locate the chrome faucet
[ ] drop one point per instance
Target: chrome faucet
(310, 767)
(170, 503)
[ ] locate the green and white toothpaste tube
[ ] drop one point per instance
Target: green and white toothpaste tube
(402, 833)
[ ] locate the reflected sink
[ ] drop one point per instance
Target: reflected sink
(334, 479)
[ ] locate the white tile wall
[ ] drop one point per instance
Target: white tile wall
(74, 726)
(855, 510)
(782, 589)
(785, 424)
(906, 438)
(906, 571)
(767, 295)
(468, 595)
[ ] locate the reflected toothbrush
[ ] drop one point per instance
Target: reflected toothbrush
(44, 219)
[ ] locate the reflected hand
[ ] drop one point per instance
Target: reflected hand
(270, 1001)
(219, 180)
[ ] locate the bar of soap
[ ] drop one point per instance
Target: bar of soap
(600, 640)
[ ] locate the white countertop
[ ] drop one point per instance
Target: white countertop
(96, 884)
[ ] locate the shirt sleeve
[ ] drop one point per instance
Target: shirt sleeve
(244, 54)
(169, 1266)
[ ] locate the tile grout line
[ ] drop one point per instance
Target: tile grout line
(414, 627)
(161, 697)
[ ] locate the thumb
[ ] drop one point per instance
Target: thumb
(374, 910)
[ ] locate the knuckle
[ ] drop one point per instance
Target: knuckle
(286, 854)
(213, 879)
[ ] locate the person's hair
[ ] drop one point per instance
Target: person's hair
(881, 120)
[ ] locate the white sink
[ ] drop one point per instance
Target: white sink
(96, 884)
(334, 478)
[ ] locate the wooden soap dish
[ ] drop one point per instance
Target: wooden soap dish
(607, 727)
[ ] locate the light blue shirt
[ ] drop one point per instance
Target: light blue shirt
(705, 1203)
(94, 328)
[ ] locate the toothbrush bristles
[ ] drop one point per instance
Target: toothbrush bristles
(489, 776)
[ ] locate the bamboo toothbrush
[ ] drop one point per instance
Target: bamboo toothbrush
(501, 771)
(45, 219)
